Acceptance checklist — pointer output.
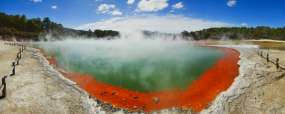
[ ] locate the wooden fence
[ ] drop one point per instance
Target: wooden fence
(270, 59)
(13, 71)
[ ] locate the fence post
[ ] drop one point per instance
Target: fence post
(17, 59)
(13, 64)
(277, 63)
(4, 87)
(267, 57)
(23, 48)
(20, 55)
(13, 70)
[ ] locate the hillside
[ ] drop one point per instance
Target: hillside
(20, 28)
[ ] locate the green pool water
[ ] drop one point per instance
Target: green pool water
(142, 66)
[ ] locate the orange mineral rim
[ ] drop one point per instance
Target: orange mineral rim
(196, 97)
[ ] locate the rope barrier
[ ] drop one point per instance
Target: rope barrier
(273, 60)
(14, 63)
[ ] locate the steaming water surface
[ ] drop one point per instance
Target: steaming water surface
(139, 65)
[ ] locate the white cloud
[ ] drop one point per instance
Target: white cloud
(105, 8)
(116, 12)
(178, 5)
(152, 5)
(231, 3)
(54, 7)
(130, 2)
(244, 24)
(168, 23)
(109, 9)
(36, 1)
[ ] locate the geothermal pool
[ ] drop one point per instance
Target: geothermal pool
(131, 73)
(144, 67)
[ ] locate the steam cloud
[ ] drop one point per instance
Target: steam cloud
(137, 64)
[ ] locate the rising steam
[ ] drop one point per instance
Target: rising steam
(138, 64)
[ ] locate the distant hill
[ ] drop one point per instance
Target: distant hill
(18, 27)
(237, 33)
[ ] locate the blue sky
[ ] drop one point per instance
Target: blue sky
(74, 13)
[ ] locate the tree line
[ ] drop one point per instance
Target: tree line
(19, 27)
(237, 33)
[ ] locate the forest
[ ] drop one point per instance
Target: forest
(237, 33)
(20, 28)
